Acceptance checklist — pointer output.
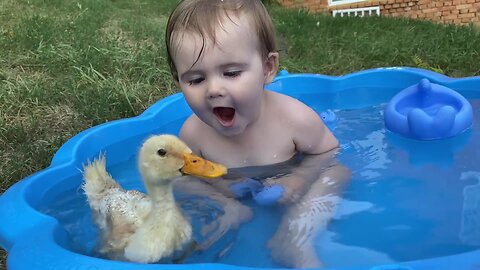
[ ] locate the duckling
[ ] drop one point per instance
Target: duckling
(142, 227)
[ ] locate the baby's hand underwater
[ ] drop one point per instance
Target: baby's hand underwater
(287, 189)
(269, 194)
(245, 187)
(237, 188)
(234, 214)
(293, 188)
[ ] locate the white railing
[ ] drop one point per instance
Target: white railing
(357, 12)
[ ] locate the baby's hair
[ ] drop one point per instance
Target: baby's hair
(202, 17)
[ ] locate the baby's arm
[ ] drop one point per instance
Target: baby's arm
(234, 213)
(310, 136)
(293, 242)
(313, 195)
(311, 168)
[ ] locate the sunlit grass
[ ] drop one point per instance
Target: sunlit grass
(66, 66)
(335, 46)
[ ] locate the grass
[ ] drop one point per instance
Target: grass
(322, 44)
(68, 65)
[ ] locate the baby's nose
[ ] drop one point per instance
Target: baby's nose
(215, 89)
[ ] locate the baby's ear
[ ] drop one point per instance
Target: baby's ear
(271, 67)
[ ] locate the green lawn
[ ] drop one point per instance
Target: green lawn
(68, 65)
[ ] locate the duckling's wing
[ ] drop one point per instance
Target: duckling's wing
(141, 205)
(124, 213)
(108, 200)
(127, 207)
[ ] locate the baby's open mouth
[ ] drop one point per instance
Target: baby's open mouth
(224, 115)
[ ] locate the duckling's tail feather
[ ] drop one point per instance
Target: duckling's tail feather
(97, 181)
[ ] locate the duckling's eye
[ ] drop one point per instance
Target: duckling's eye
(161, 152)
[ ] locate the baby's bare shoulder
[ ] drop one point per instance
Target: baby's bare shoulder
(292, 108)
(309, 132)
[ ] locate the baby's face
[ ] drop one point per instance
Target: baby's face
(225, 87)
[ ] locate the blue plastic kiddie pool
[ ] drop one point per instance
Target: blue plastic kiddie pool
(411, 203)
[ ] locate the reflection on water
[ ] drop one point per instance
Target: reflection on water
(415, 195)
(407, 200)
(470, 224)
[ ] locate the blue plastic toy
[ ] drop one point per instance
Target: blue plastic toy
(269, 195)
(262, 195)
(428, 111)
(328, 116)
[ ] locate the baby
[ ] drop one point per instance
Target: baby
(222, 53)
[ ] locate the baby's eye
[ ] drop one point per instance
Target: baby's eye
(195, 81)
(234, 73)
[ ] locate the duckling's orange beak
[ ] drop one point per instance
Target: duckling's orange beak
(197, 166)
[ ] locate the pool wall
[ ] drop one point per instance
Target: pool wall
(37, 241)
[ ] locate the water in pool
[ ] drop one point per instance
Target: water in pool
(406, 200)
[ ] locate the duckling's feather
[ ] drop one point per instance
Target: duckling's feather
(118, 213)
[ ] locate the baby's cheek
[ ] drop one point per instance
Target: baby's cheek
(196, 103)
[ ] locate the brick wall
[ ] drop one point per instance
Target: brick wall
(446, 11)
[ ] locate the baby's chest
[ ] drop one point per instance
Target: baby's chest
(262, 151)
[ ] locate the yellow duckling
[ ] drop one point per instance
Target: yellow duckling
(138, 227)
